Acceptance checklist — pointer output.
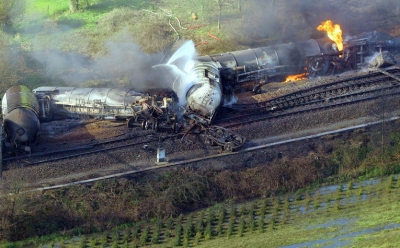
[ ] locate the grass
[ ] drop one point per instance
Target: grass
(368, 221)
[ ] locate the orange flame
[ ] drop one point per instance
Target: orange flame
(296, 77)
(334, 33)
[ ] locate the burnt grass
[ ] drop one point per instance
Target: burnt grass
(83, 209)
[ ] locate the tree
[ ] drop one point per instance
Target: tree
(73, 5)
(11, 10)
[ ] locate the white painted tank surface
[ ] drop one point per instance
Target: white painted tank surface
(205, 96)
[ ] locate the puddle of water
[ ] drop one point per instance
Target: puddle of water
(364, 197)
(342, 222)
(340, 240)
(327, 189)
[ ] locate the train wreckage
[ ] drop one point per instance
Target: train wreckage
(208, 82)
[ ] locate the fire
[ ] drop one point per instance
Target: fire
(334, 33)
(296, 77)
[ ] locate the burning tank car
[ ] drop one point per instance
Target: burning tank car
(250, 69)
(20, 110)
(149, 111)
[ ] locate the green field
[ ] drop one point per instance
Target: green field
(364, 216)
(360, 214)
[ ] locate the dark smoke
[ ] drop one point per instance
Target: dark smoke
(262, 23)
(274, 22)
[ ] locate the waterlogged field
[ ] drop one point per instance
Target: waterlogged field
(357, 214)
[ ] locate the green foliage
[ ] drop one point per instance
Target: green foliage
(144, 236)
(104, 240)
(200, 223)
(261, 221)
(208, 233)
(11, 11)
(82, 242)
(230, 228)
(242, 226)
(170, 223)
(178, 232)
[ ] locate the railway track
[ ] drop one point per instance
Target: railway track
(344, 92)
(184, 162)
(350, 91)
(375, 79)
(85, 150)
(354, 90)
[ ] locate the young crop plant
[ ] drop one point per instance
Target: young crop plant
(135, 232)
(232, 212)
(155, 238)
(261, 221)
(350, 185)
(114, 244)
(126, 236)
(186, 236)
(92, 242)
(200, 223)
(337, 206)
(104, 240)
(272, 223)
(287, 203)
(389, 183)
(316, 202)
(82, 242)
(170, 223)
(197, 238)
(189, 228)
(144, 237)
(115, 236)
(241, 226)
(251, 222)
(263, 208)
(178, 232)
(276, 203)
(231, 225)
(242, 210)
(340, 189)
(208, 233)
(211, 217)
(297, 195)
(221, 220)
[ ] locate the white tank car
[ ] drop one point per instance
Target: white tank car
(205, 95)
(20, 110)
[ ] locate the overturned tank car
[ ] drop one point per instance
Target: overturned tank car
(145, 110)
(21, 124)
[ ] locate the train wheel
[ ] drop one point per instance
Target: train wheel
(228, 147)
(257, 89)
(317, 66)
(207, 141)
(129, 122)
(175, 127)
(155, 125)
(144, 124)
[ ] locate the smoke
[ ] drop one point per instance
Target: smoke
(125, 64)
(274, 22)
(177, 72)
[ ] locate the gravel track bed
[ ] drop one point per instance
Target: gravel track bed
(68, 133)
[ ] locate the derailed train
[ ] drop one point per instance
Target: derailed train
(213, 78)
(20, 110)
